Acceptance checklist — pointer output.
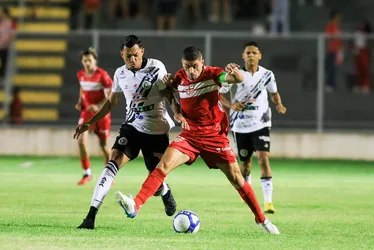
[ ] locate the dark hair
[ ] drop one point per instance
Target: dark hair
(191, 53)
(334, 14)
(251, 43)
(89, 51)
(16, 90)
(130, 41)
(367, 26)
(6, 11)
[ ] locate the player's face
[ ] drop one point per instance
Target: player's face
(89, 63)
(193, 68)
(251, 55)
(133, 57)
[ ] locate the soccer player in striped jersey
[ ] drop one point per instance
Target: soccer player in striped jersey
(95, 84)
(250, 117)
(146, 126)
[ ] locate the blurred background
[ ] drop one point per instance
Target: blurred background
(319, 50)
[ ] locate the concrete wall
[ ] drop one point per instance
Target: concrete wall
(57, 141)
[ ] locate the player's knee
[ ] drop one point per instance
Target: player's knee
(103, 144)
(164, 166)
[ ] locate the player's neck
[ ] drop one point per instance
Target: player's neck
(251, 68)
(90, 72)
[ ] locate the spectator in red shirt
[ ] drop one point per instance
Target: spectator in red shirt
(334, 53)
(361, 51)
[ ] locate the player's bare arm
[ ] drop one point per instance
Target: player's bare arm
(276, 99)
(237, 106)
(233, 73)
(108, 105)
(79, 104)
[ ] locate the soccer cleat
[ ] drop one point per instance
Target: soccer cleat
(269, 227)
(169, 203)
(85, 179)
(269, 208)
(87, 224)
(127, 204)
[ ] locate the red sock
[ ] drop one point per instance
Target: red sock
(247, 194)
(149, 187)
(85, 163)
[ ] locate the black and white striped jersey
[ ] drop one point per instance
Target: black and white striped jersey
(146, 108)
(253, 92)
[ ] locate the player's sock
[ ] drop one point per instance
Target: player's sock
(86, 166)
(267, 188)
(248, 195)
(149, 187)
(248, 179)
(104, 183)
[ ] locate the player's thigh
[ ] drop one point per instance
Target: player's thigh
(188, 145)
(171, 159)
(244, 145)
(127, 141)
(261, 140)
(232, 172)
(153, 148)
(216, 150)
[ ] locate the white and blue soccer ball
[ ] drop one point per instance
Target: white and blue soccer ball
(186, 222)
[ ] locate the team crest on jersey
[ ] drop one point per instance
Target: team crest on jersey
(190, 90)
(147, 85)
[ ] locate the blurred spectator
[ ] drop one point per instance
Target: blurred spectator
(318, 3)
(6, 27)
(334, 55)
(280, 16)
(16, 107)
(127, 8)
(167, 11)
(194, 9)
(74, 7)
(216, 11)
(361, 51)
(90, 7)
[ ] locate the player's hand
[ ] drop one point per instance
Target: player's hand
(168, 79)
(238, 106)
(81, 128)
(281, 109)
(78, 106)
(179, 118)
(93, 108)
(231, 68)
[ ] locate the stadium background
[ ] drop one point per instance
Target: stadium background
(44, 58)
(321, 204)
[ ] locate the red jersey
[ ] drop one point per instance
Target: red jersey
(93, 86)
(333, 29)
(200, 98)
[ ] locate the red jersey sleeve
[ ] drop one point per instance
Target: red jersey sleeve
(215, 74)
(177, 78)
(106, 80)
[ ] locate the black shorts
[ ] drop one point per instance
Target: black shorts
(247, 143)
(130, 141)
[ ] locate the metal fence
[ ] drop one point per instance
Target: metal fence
(297, 60)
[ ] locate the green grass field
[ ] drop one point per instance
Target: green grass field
(320, 205)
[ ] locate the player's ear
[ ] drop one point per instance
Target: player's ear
(243, 56)
(143, 51)
(260, 56)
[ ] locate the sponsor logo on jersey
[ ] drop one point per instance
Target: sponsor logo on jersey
(143, 108)
(147, 84)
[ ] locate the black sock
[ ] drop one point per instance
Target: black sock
(92, 213)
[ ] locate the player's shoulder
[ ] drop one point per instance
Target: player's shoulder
(120, 71)
(155, 63)
(264, 70)
(101, 70)
(81, 73)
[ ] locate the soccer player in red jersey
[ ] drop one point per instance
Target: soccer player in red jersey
(95, 86)
(205, 126)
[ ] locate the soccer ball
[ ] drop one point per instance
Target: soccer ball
(186, 222)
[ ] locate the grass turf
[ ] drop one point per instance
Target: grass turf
(320, 205)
